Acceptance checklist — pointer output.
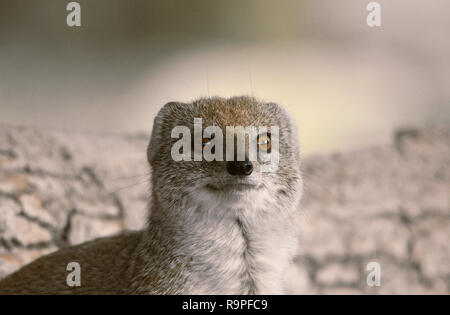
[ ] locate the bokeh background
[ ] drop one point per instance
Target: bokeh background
(347, 84)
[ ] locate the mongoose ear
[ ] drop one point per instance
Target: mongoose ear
(292, 126)
(157, 137)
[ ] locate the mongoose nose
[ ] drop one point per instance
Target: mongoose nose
(240, 167)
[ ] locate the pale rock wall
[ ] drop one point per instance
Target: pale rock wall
(388, 204)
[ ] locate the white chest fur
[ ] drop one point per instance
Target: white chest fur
(237, 251)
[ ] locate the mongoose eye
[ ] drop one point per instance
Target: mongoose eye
(264, 142)
(205, 142)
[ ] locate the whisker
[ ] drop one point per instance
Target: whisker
(127, 177)
(127, 187)
(207, 81)
(250, 76)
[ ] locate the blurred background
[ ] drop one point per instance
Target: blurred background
(348, 85)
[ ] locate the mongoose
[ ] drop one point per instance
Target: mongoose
(218, 227)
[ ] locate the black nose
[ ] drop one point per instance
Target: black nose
(240, 167)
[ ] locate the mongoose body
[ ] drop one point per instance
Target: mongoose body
(218, 227)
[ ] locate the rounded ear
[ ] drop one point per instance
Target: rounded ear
(154, 145)
(292, 126)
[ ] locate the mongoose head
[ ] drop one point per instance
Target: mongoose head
(229, 183)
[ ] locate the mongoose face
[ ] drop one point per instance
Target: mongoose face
(224, 183)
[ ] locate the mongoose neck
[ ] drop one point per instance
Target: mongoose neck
(221, 250)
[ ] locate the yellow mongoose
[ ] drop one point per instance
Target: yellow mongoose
(218, 227)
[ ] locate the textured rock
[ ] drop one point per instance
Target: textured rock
(388, 204)
(334, 273)
(63, 188)
(86, 228)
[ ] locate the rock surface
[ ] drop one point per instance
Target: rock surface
(387, 204)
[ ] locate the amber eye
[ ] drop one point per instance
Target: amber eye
(205, 142)
(264, 142)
